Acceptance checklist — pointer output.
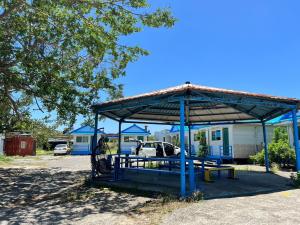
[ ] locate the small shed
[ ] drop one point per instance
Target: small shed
(83, 137)
(130, 135)
(19, 144)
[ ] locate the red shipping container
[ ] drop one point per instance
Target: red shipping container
(19, 145)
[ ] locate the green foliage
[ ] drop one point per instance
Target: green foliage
(175, 140)
(39, 130)
(43, 152)
(5, 159)
(280, 151)
(295, 178)
(151, 138)
(203, 147)
(62, 55)
(258, 158)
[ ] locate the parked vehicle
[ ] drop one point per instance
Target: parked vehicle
(156, 149)
(61, 149)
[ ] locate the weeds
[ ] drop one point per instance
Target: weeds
(5, 159)
(295, 178)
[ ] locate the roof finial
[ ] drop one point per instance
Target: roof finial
(187, 82)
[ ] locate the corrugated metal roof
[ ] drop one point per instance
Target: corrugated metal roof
(205, 105)
(85, 130)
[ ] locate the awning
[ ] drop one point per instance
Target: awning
(202, 105)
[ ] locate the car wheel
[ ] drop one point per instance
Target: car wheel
(55, 154)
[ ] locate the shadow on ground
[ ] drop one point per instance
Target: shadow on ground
(53, 196)
(248, 183)
(47, 196)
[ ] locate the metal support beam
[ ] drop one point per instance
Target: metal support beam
(296, 138)
(266, 147)
(182, 150)
(119, 138)
(227, 123)
(190, 141)
(93, 146)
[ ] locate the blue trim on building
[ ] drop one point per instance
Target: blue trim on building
(135, 130)
(81, 152)
(176, 128)
(85, 130)
(288, 117)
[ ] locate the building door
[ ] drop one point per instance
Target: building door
(225, 142)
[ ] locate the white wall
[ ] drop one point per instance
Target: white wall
(2, 137)
(126, 146)
(80, 146)
(163, 135)
(248, 139)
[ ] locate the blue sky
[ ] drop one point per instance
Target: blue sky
(251, 45)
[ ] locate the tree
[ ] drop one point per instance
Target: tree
(39, 130)
(63, 55)
(203, 147)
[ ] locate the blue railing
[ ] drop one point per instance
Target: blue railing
(220, 152)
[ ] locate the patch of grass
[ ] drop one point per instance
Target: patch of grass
(5, 159)
(43, 152)
(275, 167)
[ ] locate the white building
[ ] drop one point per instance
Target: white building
(83, 138)
(130, 135)
(229, 141)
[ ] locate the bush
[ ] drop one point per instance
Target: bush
(280, 151)
(296, 179)
(203, 147)
(258, 158)
(282, 154)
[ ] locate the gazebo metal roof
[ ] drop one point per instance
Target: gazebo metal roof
(202, 104)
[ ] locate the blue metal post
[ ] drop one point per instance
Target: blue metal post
(266, 147)
(94, 144)
(190, 141)
(192, 176)
(119, 137)
(296, 139)
(182, 149)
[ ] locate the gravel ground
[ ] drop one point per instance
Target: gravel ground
(275, 208)
(53, 190)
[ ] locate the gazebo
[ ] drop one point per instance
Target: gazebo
(189, 104)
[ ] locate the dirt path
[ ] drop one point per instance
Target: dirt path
(53, 190)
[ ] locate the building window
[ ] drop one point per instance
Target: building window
(128, 138)
(23, 144)
(140, 138)
(197, 136)
(82, 139)
(216, 135)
